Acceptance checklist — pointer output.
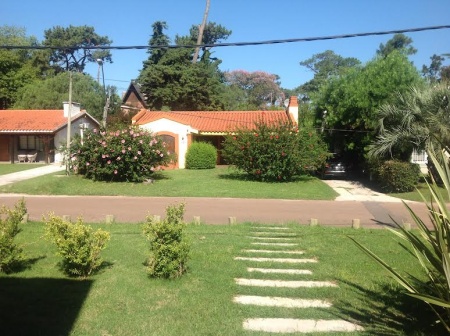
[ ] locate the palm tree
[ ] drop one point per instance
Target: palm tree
(418, 119)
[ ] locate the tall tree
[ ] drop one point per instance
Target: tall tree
(171, 81)
(16, 66)
(324, 65)
(399, 42)
(436, 69)
(257, 89)
(157, 39)
(73, 40)
(352, 101)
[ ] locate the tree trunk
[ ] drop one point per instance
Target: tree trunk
(200, 32)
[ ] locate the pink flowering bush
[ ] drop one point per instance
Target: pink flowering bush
(275, 152)
(130, 154)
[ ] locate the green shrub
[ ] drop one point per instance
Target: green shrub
(201, 155)
(275, 152)
(130, 154)
(398, 176)
(169, 250)
(77, 244)
(11, 255)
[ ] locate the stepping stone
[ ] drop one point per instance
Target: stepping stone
(275, 244)
(284, 325)
(271, 301)
(278, 271)
(271, 238)
(280, 260)
(274, 251)
(284, 234)
(283, 283)
(269, 228)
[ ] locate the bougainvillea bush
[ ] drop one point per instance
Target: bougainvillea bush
(130, 154)
(275, 152)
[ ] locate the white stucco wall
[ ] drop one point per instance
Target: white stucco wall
(61, 136)
(165, 125)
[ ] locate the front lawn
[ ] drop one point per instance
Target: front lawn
(218, 182)
(122, 300)
(8, 168)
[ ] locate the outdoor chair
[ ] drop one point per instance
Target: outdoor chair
(22, 157)
(32, 157)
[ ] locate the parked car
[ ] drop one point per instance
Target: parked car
(335, 167)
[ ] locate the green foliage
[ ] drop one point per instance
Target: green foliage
(418, 117)
(130, 154)
(352, 101)
(81, 36)
(275, 152)
(324, 65)
(52, 92)
(169, 250)
(10, 253)
(431, 247)
(201, 155)
(400, 43)
(169, 78)
(16, 66)
(77, 244)
(397, 176)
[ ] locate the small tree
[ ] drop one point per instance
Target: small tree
(10, 253)
(275, 152)
(130, 154)
(77, 244)
(169, 250)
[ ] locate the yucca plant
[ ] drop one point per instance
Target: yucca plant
(431, 247)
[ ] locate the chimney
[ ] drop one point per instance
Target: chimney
(76, 108)
(292, 108)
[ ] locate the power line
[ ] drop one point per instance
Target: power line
(231, 44)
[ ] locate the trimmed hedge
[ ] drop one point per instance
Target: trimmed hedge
(201, 155)
(398, 176)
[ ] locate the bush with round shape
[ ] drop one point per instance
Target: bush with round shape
(201, 155)
(398, 176)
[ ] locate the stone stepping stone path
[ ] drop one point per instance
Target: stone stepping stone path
(279, 241)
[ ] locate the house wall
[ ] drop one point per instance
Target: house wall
(180, 131)
(61, 135)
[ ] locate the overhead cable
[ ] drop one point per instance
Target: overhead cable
(229, 44)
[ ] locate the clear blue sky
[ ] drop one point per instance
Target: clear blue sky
(129, 23)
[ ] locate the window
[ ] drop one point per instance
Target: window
(30, 142)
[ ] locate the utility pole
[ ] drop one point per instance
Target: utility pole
(200, 32)
(69, 124)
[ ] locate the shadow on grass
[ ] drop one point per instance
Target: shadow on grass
(40, 306)
(240, 176)
(389, 311)
(23, 265)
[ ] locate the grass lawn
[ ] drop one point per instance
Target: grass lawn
(7, 168)
(415, 196)
(218, 182)
(122, 300)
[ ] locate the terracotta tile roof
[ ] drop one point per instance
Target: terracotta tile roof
(213, 121)
(32, 121)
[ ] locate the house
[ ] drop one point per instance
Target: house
(24, 133)
(180, 128)
(133, 100)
